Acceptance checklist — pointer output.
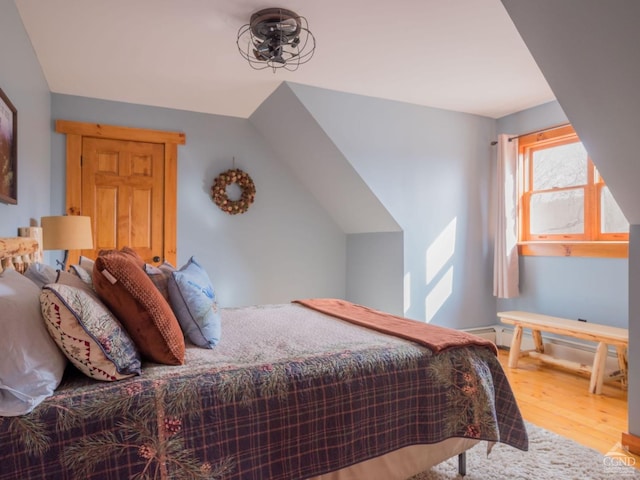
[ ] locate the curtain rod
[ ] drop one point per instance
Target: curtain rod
(535, 131)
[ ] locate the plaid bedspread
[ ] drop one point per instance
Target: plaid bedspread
(289, 393)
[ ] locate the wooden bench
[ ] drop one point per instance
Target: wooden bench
(603, 334)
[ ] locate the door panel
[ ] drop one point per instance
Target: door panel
(123, 192)
(141, 218)
(76, 134)
(105, 206)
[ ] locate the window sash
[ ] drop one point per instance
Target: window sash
(528, 145)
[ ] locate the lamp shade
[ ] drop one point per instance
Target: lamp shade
(68, 232)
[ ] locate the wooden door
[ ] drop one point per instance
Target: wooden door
(123, 193)
(126, 180)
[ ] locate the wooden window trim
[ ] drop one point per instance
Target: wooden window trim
(602, 249)
(588, 244)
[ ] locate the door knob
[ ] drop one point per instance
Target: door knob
(156, 259)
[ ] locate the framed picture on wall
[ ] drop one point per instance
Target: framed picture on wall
(8, 150)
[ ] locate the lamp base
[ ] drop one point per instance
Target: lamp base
(63, 264)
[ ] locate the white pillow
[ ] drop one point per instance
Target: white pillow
(31, 364)
(41, 274)
(84, 270)
(86, 263)
(81, 273)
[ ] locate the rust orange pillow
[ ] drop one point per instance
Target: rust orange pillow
(132, 297)
(133, 255)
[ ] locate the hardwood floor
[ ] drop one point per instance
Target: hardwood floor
(560, 401)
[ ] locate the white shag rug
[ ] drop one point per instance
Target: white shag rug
(550, 457)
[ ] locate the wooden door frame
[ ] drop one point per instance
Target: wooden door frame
(75, 131)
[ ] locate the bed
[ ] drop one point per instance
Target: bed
(290, 392)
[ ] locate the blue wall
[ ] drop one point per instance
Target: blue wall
(284, 247)
(431, 169)
(427, 166)
(22, 80)
(596, 289)
(375, 274)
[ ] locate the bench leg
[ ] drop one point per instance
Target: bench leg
(622, 364)
(597, 372)
(514, 353)
(537, 338)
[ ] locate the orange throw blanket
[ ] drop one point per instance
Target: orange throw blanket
(434, 337)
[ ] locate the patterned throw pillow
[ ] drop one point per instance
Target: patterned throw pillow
(160, 277)
(194, 302)
(88, 334)
(127, 291)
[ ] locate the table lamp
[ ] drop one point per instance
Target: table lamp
(66, 232)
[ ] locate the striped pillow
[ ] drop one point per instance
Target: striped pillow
(160, 276)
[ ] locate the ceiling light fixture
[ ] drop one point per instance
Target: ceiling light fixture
(276, 38)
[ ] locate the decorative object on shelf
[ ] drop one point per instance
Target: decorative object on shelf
(276, 38)
(66, 232)
(221, 198)
(8, 151)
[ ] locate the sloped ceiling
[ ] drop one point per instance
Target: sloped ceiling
(588, 52)
(453, 54)
(319, 165)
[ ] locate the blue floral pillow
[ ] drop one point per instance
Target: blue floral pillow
(194, 303)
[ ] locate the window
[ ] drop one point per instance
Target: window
(565, 208)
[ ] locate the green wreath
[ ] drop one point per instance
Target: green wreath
(219, 191)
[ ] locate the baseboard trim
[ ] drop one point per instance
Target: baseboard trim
(631, 443)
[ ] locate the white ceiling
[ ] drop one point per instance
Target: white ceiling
(462, 55)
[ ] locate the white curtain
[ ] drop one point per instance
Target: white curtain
(505, 256)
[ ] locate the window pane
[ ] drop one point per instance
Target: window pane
(612, 220)
(555, 213)
(562, 166)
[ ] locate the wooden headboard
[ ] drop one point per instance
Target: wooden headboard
(18, 252)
